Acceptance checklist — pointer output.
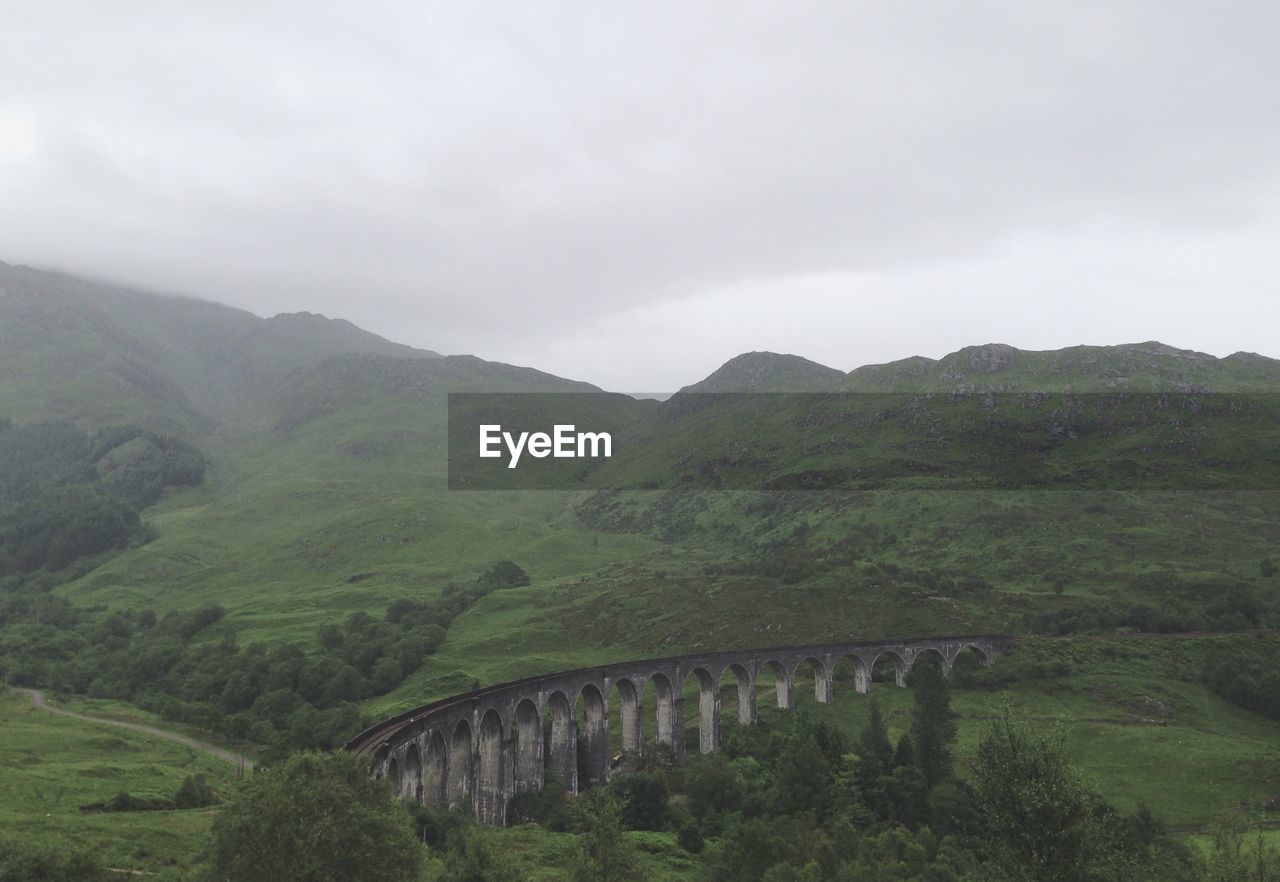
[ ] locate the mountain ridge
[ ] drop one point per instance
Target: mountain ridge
(999, 367)
(75, 348)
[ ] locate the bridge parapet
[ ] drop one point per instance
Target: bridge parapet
(480, 748)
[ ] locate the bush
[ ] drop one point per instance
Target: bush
(505, 574)
(194, 792)
(24, 861)
(475, 856)
(643, 797)
(315, 818)
(690, 838)
(604, 854)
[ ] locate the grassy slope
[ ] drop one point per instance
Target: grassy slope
(50, 766)
(1135, 368)
(1135, 723)
(336, 470)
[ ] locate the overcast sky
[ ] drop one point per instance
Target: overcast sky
(633, 193)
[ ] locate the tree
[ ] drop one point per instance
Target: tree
(387, 675)
(905, 753)
(933, 727)
(643, 796)
(1041, 819)
(711, 786)
(905, 797)
(315, 818)
(1239, 858)
(604, 854)
(474, 856)
(803, 777)
(504, 574)
(875, 753)
(690, 837)
(194, 792)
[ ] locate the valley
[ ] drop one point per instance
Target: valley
(323, 531)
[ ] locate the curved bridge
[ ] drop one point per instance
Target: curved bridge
(480, 748)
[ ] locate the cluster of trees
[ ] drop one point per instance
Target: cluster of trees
(282, 696)
(803, 802)
(1240, 608)
(195, 791)
(67, 493)
(1248, 676)
(797, 802)
(1025, 816)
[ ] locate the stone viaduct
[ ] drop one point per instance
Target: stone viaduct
(480, 748)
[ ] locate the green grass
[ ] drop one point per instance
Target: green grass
(543, 856)
(283, 525)
(326, 494)
(51, 766)
(111, 709)
(1270, 839)
(1135, 723)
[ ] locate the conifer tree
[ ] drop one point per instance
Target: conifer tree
(933, 727)
(875, 752)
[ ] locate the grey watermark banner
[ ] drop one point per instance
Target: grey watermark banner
(866, 441)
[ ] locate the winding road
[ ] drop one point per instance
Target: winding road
(38, 699)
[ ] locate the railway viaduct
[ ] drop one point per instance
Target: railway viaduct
(480, 748)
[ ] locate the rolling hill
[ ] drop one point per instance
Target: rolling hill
(325, 449)
(325, 501)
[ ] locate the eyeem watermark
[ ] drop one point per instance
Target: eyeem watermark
(564, 442)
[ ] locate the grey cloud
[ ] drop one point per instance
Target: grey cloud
(499, 178)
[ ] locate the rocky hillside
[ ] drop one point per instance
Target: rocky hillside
(996, 367)
(769, 372)
(1138, 367)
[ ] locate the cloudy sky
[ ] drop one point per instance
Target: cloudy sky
(633, 193)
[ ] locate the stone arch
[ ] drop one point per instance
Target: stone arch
(745, 691)
(434, 771)
(852, 665)
(526, 736)
(708, 709)
(968, 657)
(931, 655)
(593, 740)
(899, 666)
(821, 677)
(984, 657)
(562, 740)
(630, 696)
(491, 775)
(783, 683)
(670, 726)
(393, 773)
(459, 782)
(412, 787)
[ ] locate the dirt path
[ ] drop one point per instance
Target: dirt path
(38, 699)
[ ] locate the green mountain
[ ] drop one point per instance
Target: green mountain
(281, 524)
(326, 474)
(995, 367)
(769, 372)
(1139, 367)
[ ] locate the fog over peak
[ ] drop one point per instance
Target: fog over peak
(635, 195)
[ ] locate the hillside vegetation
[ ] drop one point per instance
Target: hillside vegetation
(245, 524)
